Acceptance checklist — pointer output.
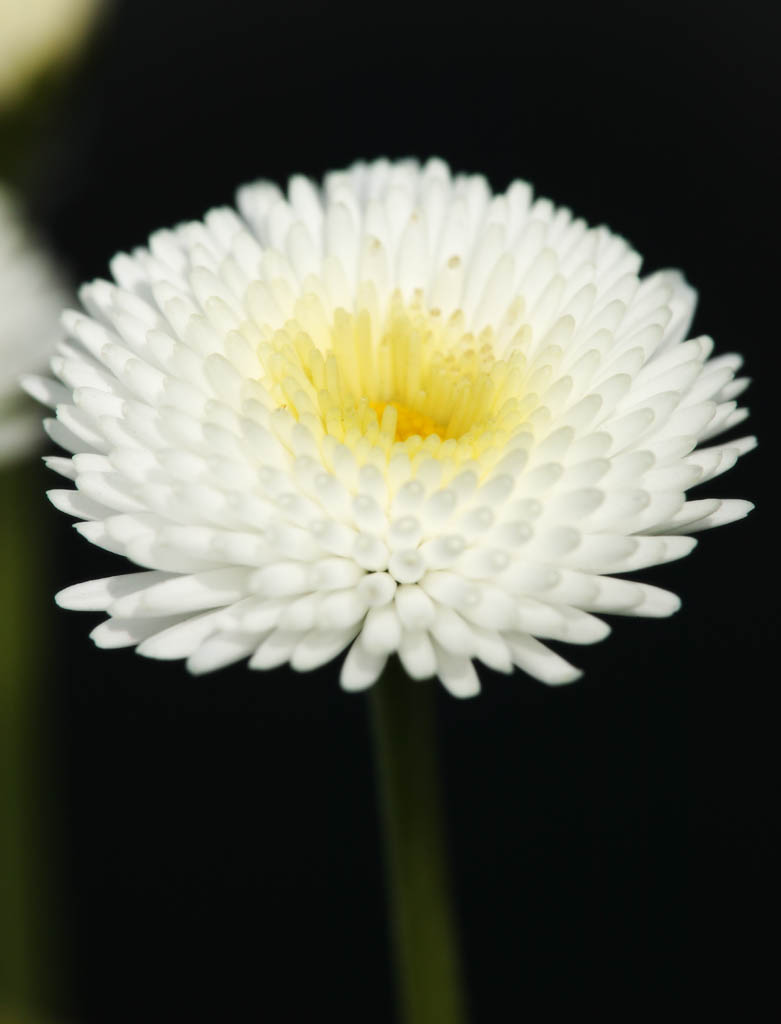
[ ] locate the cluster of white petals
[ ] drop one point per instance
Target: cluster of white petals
(32, 297)
(35, 34)
(395, 414)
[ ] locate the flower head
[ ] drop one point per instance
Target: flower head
(31, 299)
(393, 414)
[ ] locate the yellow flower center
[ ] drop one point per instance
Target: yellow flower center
(402, 381)
(409, 422)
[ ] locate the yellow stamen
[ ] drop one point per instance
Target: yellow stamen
(408, 421)
(396, 383)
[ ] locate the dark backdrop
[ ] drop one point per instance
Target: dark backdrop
(220, 859)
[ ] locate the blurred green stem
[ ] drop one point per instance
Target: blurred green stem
(422, 918)
(20, 647)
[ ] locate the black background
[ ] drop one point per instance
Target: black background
(611, 839)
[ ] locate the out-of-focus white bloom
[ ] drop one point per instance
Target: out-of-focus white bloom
(35, 34)
(397, 414)
(32, 297)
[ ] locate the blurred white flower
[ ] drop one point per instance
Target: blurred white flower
(32, 297)
(397, 414)
(36, 34)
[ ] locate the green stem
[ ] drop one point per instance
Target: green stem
(20, 977)
(422, 919)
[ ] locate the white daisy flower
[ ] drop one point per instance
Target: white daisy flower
(35, 34)
(395, 414)
(32, 297)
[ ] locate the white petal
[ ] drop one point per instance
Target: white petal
(361, 668)
(381, 631)
(539, 661)
(417, 654)
(219, 651)
(729, 511)
(180, 640)
(211, 589)
(114, 633)
(98, 595)
(275, 650)
(319, 647)
(457, 673)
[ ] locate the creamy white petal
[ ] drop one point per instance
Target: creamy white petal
(417, 654)
(539, 661)
(457, 672)
(180, 640)
(361, 667)
(115, 633)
